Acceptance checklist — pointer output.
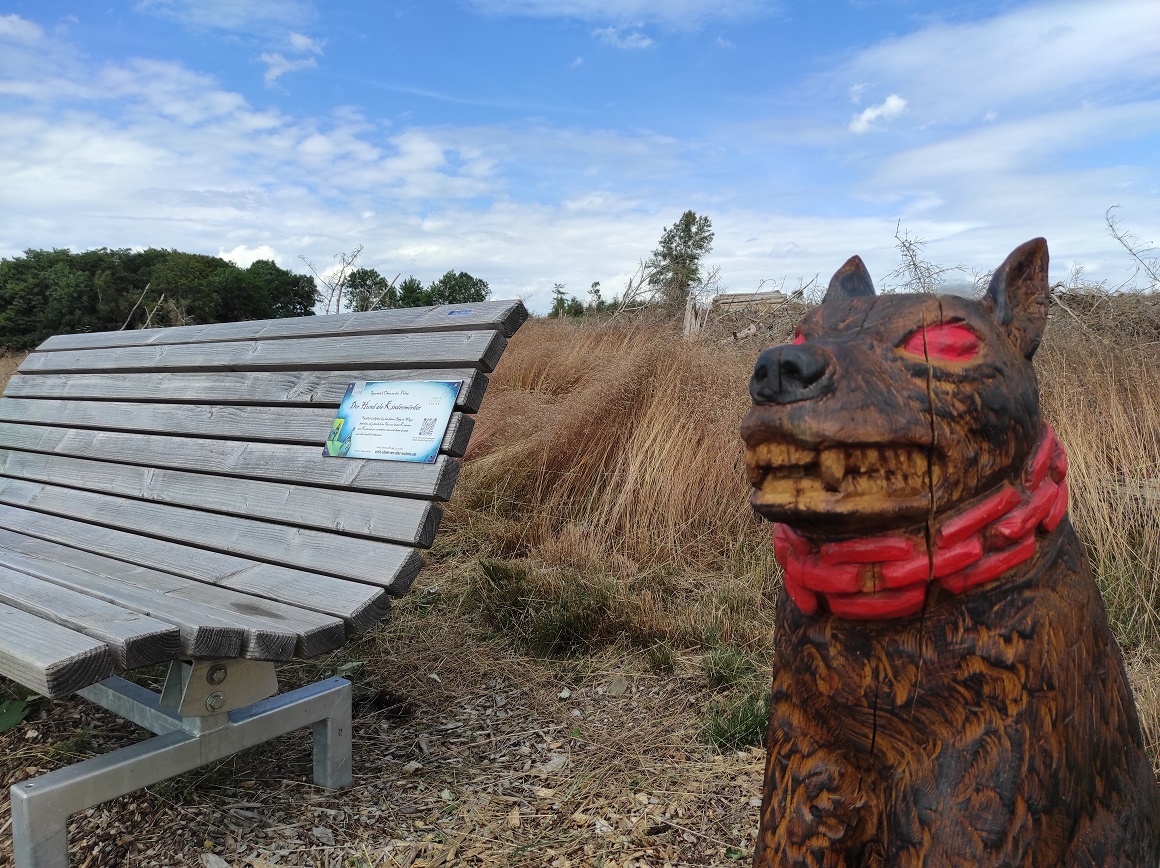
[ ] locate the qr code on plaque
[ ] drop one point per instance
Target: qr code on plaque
(428, 427)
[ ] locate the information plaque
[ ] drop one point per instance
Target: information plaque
(396, 420)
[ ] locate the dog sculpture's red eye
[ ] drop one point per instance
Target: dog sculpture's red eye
(948, 342)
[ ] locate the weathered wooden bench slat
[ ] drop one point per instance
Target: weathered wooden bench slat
(285, 463)
(133, 639)
(52, 660)
(434, 350)
(165, 496)
(505, 316)
(392, 567)
(403, 520)
(292, 388)
(359, 605)
(214, 621)
(302, 425)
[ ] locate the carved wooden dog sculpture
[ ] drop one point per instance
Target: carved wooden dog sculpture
(946, 690)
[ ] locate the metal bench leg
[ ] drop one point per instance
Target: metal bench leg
(41, 806)
(333, 750)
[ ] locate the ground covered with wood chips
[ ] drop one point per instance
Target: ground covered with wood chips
(466, 752)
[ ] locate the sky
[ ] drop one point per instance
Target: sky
(536, 142)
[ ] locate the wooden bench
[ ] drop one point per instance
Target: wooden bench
(164, 498)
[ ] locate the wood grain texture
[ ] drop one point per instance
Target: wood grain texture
(477, 349)
(291, 388)
(132, 638)
(50, 659)
(213, 621)
(505, 316)
(359, 605)
(398, 519)
(164, 492)
(292, 425)
(273, 461)
(995, 727)
(346, 557)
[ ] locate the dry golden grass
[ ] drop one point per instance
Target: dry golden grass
(607, 466)
(609, 456)
(1101, 391)
(9, 362)
(605, 496)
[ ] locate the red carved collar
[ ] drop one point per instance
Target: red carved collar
(886, 576)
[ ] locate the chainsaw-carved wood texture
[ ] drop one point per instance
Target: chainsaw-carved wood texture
(946, 690)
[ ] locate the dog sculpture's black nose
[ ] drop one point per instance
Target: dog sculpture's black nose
(793, 372)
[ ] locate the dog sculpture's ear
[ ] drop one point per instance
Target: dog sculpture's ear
(850, 281)
(1018, 294)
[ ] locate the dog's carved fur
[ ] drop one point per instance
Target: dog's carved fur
(991, 727)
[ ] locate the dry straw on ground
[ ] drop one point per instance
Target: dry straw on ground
(598, 609)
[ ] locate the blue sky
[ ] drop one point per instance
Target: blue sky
(532, 142)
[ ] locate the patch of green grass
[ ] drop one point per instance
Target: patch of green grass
(736, 722)
(727, 666)
(661, 658)
(549, 612)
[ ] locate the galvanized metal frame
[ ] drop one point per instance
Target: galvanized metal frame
(41, 806)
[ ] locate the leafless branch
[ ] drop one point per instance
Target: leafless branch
(336, 283)
(1145, 256)
(134, 310)
(917, 273)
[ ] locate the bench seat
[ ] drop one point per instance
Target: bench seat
(164, 494)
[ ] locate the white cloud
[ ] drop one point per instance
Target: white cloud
(278, 65)
(305, 44)
(232, 15)
(891, 107)
(13, 28)
(1025, 145)
(243, 256)
(612, 36)
(577, 63)
(679, 13)
(151, 153)
(1031, 57)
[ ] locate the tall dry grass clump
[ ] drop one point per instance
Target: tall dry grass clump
(608, 456)
(1100, 381)
(605, 486)
(621, 440)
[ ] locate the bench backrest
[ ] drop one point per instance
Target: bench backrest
(196, 453)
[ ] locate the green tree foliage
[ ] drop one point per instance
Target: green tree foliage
(47, 292)
(565, 305)
(457, 288)
(289, 294)
(366, 289)
(412, 293)
(676, 263)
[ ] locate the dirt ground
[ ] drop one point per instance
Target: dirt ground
(466, 752)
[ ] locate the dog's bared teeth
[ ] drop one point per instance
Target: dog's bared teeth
(773, 454)
(754, 472)
(832, 465)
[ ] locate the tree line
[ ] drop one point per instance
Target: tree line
(47, 292)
